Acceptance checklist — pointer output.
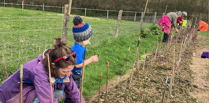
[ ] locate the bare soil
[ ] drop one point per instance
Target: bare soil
(199, 67)
(149, 85)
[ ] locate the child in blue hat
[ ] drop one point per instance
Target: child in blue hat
(82, 33)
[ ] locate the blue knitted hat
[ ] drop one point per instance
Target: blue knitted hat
(81, 31)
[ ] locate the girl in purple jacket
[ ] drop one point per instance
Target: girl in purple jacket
(36, 85)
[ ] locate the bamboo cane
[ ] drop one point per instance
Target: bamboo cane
(50, 77)
(145, 8)
(174, 64)
(172, 77)
(69, 9)
(171, 82)
(142, 16)
(181, 48)
(160, 45)
(166, 8)
(125, 60)
(133, 64)
(82, 76)
(21, 83)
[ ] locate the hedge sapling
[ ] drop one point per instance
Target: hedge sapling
(134, 64)
(164, 89)
(171, 40)
(107, 82)
(156, 50)
(145, 59)
(125, 60)
(181, 48)
(185, 43)
(179, 62)
(82, 76)
(99, 87)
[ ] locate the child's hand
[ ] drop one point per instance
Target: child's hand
(94, 58)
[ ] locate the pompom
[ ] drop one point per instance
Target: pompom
(77, 20)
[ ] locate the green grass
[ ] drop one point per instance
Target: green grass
(23, 38)
(206, 35)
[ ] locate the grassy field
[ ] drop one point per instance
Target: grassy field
(206, 34)
(26, 33)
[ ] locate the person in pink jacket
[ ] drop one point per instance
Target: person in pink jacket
(167, 22)
(36, 85)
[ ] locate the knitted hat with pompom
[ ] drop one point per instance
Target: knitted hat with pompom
(81, 30)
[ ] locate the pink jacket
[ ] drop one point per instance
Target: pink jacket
(165, 24)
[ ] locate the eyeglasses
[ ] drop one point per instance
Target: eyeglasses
(67, 57)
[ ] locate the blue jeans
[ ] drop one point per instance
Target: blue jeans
(165, 37)
(57, 94)
(77, 78)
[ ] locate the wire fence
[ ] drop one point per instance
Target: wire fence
(110, 14)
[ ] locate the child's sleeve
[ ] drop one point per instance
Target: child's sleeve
(73, 92)
(42, 87)
(79, 58)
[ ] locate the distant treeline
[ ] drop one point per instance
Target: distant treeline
(193, 7)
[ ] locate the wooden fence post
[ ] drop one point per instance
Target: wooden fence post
(85, 11)
(22, 4)
(43, 6)
(107, 14)
(66, 18)
(118, 24)
(141, 22)
(155, 17)
(135, 16)
(66, 21)
(195, 22)
(62, 8)
(69, 9)
(4, 3)
(163, 14)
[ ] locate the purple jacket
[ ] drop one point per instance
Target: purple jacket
(34, 71)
